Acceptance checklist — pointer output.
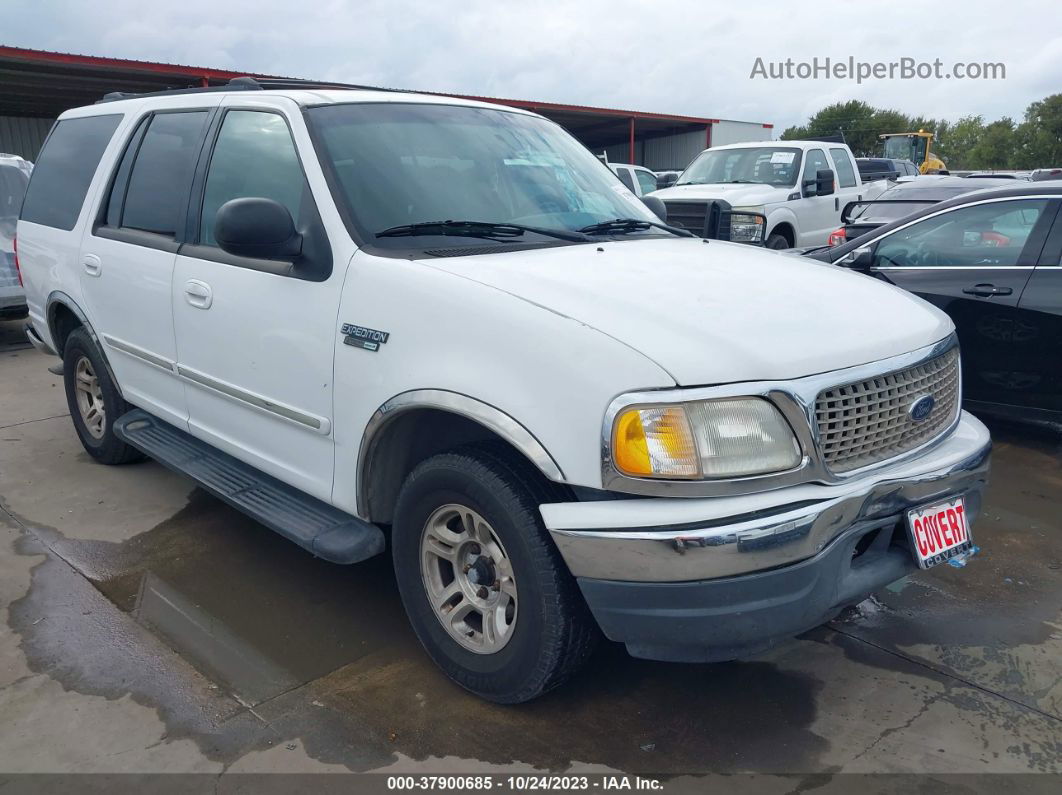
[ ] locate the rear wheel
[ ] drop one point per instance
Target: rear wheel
(485, 589)
(94, 400)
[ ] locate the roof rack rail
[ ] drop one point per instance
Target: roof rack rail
(265, 83)
(240, 84)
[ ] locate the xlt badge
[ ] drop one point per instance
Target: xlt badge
(360, 337)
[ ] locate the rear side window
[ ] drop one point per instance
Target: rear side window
(65, 169)
(845, 172)
(157, 194)
(13, 182)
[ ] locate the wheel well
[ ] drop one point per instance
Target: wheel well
(408, 439)
(786, 231)
(63, 322)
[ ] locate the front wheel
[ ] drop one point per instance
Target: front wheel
(484, 588)
(777, 242)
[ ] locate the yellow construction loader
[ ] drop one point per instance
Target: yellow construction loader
(914, 146)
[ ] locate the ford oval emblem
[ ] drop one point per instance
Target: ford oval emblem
(922, 408)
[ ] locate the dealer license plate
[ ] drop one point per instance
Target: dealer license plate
(939, 532)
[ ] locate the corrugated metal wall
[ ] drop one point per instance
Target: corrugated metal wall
(23, 135)
(736, 132)
(673, 152)
(676, 151)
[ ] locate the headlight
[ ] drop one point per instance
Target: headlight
(747, 224)
(724, 438)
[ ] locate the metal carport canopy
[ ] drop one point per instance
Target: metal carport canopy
(38, 83)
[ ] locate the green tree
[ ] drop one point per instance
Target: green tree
(853, 120)
(1038, 139)
(995, 148)
(954, 148)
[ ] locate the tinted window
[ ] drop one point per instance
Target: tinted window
(65, 168)
(254, 156)
(646, 180)
(162, 174)
(845, 172)
(13, 182)
(625, 177)
(983, 234)
(815, 160)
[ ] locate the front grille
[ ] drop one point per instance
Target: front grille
(868, 421)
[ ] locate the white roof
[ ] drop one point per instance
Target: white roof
(802, 145)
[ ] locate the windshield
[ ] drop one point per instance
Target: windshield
(766, 165)
(400, 164)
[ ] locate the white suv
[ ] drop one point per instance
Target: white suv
(368, 318)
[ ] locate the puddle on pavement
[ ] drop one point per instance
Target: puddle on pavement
(246, 607)
(985, 622)
(324, 653)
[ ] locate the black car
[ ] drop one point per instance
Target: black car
(991, 259)
(872, 168)
(904, 198)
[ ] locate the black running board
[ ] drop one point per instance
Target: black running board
(325, 531)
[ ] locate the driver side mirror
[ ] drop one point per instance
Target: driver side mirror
(666, 181)
(861, 259)
(258, 228)
(822, 185)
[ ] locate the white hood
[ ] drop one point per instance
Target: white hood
(737, 194)
(715, 312)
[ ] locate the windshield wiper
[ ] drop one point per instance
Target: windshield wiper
(620, 226)
(486, 229)
(743, 182)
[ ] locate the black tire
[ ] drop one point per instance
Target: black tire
(107, 449)
(777, 242)
(554, 632)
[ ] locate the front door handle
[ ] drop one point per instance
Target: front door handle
(92, 264)
(985, 290)
(198, 294)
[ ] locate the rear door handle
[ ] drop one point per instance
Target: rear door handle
(985, 290)
(198, 294)
(92, 264)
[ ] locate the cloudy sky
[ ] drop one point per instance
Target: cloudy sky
(671, 56)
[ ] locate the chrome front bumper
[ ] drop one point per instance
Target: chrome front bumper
(677, 540)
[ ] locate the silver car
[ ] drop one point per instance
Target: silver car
(14, 176)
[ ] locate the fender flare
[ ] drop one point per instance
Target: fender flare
(490, 417)
(59, 298)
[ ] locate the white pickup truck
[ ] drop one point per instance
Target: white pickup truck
(800, 186)
(378, 320)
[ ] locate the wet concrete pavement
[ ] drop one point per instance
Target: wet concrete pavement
(148, 627)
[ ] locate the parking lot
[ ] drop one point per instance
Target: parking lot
(148, 627)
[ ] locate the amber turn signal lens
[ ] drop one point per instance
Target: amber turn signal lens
(655, 442)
